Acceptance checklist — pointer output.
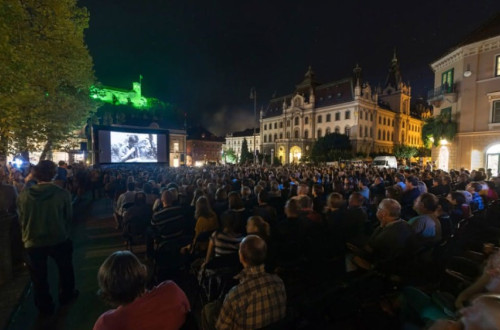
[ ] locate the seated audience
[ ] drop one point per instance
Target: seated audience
(122, 283)
(258, 301)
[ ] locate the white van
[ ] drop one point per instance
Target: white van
(385, 162)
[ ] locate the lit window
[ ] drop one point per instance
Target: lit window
(176, 146)
(497, 66)
(447, 80)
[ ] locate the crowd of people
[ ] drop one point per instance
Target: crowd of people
(379, 225)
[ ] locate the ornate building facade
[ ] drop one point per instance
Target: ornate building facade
(235, 141)
(374, 120)
(467, 86)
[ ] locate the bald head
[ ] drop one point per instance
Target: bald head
(484, 313)
(253, 251)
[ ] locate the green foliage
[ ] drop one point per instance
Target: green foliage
(402, 151)
(331, 147)
(46, 73)
(229, 156)
(438, 128)
(246, 156)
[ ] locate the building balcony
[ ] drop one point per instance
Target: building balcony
(436, 96)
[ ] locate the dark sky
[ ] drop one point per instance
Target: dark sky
(205, 55)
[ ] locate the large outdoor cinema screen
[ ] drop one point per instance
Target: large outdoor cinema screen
(132, 146)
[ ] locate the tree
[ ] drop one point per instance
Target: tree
(46, 73)
(439, 127)
(229, 156)
(402, 151)
(246, 155)
(331, 147)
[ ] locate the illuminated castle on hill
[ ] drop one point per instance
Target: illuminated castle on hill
(119, 96)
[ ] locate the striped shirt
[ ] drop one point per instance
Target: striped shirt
(258, 301)
(226, 243)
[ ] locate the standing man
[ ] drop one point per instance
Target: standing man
(45, 214)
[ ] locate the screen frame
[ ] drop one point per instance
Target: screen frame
(129, 129)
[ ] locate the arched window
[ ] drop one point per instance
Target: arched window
(281, 135)
(360, 131)
(327, 130)
(265, 127)
(384, 121)
(320, 119)
(392, 136)
(337, 116)
(319, 133)
(371, 132)
(360, 114)
(306, 120)
(296, 121)
(366, 131)
(337, 130)
(347, 115)
(275, 125)
(328, 118)
(288, 123)
(347, 130)
(383, 135)
(287, 135)
(275, 136)
(281, 124)
(379, 135)
(296, 134)
(270, 138)
(402, 137)
(265, 138)
(306, 134)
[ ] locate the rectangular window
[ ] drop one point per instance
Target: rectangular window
(337, 116)
(347, 115)
(497, 66)
(176, 146)
(447, 80)
(496, 112)
(328, 118)
(446, 112)
(275, 125)
(320, 119)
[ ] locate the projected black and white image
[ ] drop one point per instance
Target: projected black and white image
(133, 147)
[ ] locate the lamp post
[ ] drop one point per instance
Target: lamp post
(253, 95)
(272, 157)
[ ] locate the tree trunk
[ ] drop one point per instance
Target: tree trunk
(46, 150)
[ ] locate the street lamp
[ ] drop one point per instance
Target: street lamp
(253, 95)
(272, 157)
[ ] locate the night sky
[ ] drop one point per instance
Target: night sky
(204, 56)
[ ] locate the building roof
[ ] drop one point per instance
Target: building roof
(247, 132)
(336, 92)
(489, 29)
(201, 133)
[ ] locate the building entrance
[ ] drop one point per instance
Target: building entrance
(493, 159)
